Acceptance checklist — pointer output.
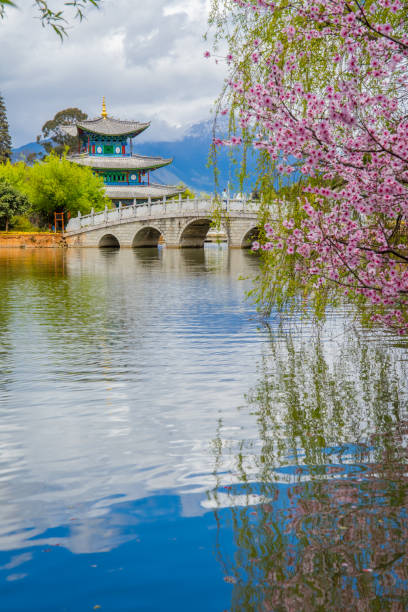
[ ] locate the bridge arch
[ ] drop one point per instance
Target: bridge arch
(147, 236)
(248, 238)
(194, 232)
(109, 240)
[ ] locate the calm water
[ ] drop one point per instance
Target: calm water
(160, 449)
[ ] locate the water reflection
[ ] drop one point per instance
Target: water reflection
(317, 501)
(115, 366)
(116, 369)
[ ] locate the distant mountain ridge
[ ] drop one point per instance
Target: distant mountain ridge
(25, 150)
(190, 155)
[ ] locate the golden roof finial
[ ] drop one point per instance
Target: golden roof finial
(104, 113)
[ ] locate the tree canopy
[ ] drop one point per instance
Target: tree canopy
(56, 185)
(12, 202)
(52, 129)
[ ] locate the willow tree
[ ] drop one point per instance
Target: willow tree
(319, 90)
(51, 17)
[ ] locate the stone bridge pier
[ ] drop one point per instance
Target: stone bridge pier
(182, 226)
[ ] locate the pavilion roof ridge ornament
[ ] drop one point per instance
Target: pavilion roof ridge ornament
(104, 113)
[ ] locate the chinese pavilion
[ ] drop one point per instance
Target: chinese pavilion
(103, 146)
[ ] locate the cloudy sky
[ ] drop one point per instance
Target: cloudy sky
(145, 56)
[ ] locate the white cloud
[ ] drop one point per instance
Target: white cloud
(145, 57)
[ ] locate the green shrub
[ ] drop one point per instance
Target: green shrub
(12, 202)
(21, 223)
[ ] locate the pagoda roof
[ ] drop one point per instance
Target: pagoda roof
(113, 127)
(70, 130)
(107, 126)
(153, 190)
(129, 162)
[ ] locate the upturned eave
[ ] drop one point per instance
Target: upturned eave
(128, 163)
(112, 127)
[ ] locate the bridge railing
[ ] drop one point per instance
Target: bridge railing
(159, 208)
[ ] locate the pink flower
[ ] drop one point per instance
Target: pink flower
(351, 135)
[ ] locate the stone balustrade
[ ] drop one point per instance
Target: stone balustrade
(180, 223)
(159, 209)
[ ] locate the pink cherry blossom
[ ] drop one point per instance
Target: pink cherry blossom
(351, 134)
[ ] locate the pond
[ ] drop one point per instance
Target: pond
(161, 448)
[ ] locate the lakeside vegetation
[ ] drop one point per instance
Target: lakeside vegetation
(52, 185)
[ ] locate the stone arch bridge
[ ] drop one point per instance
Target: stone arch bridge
(181, 223)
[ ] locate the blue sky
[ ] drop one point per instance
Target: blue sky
(145, 57)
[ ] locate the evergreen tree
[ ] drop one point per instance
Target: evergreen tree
(5, 140)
